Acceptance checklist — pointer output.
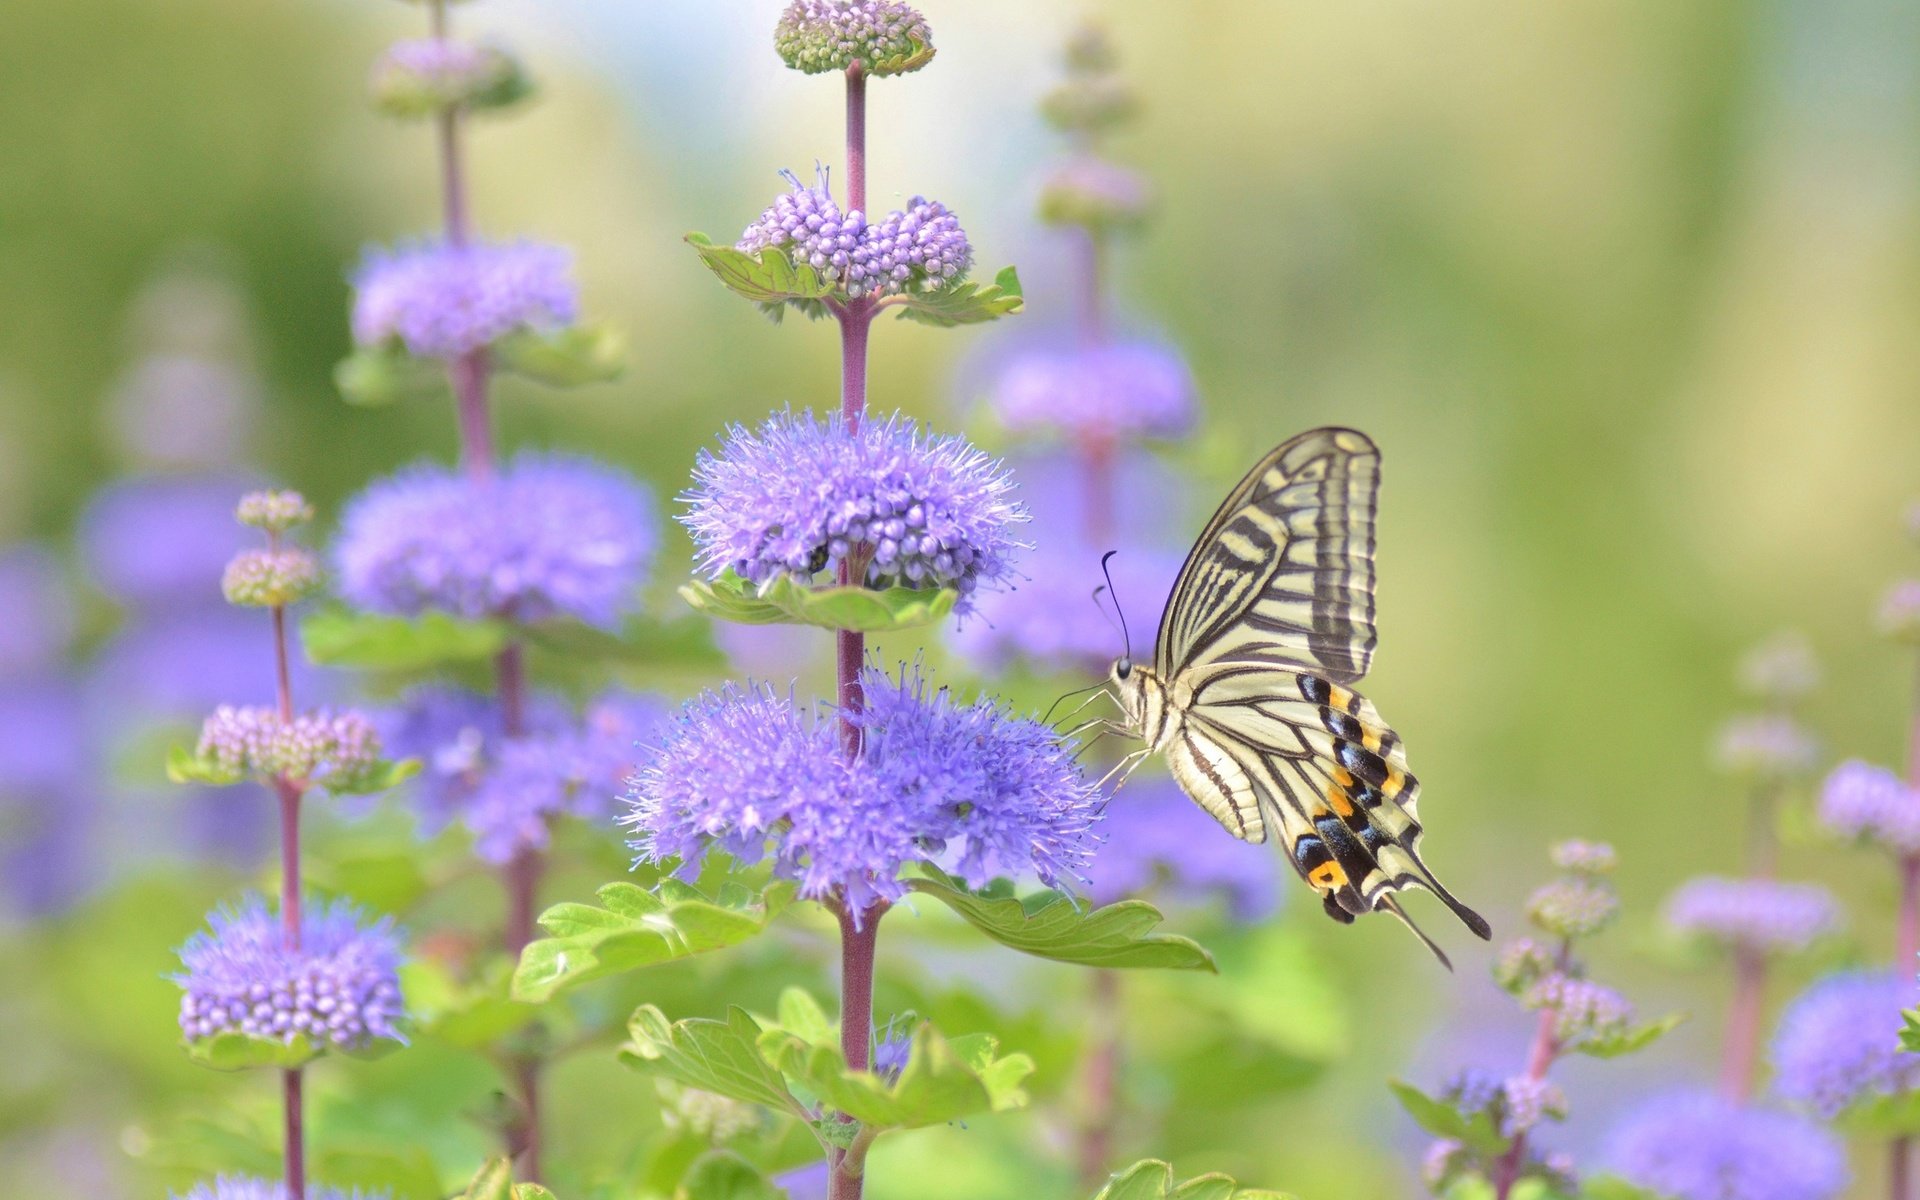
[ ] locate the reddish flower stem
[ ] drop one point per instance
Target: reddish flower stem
(857, 137)
(287, 791)
(859, 936)
(293, 1102)
(1746, 1011)
(1539, 1060)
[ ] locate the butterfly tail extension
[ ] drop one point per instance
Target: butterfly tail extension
(1388, 903)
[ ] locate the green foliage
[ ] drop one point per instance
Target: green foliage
(1152, 1179)
(638, 928)
(1475, 1130)
(1051, 925)
(1635, 1037)
(1612, 1187)
(968, 303)
(773, 278)
(721, 1175)
(375, 376)
(495, 1182)
(570, 357)
(1896, 1115)
(236, 1051)
(714, 1056)
(1910, 1031)
(184, 766)
(336, 637)
(787, 600)
(472, 1015)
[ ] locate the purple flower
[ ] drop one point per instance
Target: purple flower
(1584, 858)
(1152, 834)
(339, 989)
(274, 511)
(178, 666)
(1840, 1042)
(270, 578)
(1759, 914)
(324, 748)
(444, 301)
(421, 76)
(39, 612)
(1115, 391)
(1583, 1011)
(155, 541)
(549, 536)
(1860, 800)
(798, 496)
(920, 248)
(1701, 1147)
(884, 36)
(1768, 746)
(47, 796)
(1577, 906)
(508, 791)
(1089, 191)
(936, 780)
(235, 1187)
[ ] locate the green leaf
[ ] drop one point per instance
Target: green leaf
(1050, 926)
(1612, 1187)
(1910, 1031)
(386, 374)
(1892, 1116)
(721, 1175)
(714, 1056)
(685, 642)
(1628, 1040)
(1474, 1130)
(1152, 1179)
(787, 600)
(801, 1015)
(382, 775)
(772, 278)
(494, 1182)
(531, 1191)
(235, 1051)
(470, 1015)
(338, 638)
(943, 1080)
(570, 357)
(184, 766)
(963, 303)
(638, 928)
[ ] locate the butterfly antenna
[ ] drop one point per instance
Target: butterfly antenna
(1126, 639)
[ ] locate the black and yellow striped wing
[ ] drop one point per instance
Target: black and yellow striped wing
(1283, 572)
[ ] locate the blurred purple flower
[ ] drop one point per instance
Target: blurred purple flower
(1153, 835)
(155, 541)
(1860, 800)
(236, 1187)
(175, 666)
(1760, 914)
(799, 495)
(185, 409)
(445, 301)
(1840, 1042)
(1768, 746)
(39, 611)
(551, 535)
(340, 988)
(1696, 1146)
(47, 803)
(1106, 393)
(967, 785)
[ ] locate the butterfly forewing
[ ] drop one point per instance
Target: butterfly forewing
(1284, 570)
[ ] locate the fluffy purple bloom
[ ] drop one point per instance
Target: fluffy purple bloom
(1840, 1042)
(1153, 835)
(919, 248)
(1116, 391)
(964, 785)
(1696, 1146)
(39, 613)
(162, 542)
(508, 791)
(1860, 800)
(236, 1187)
(885, 36)
(1760, 914)
(550, 535)
(340, 988)
(444, 301)
(798, 496)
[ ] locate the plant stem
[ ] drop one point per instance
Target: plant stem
(1900, 1168)
(293, 1087)
(859, 934)
(1539, 1060)
(1092, 314)
(288, 791)
(857, 137)
(1740, 1054)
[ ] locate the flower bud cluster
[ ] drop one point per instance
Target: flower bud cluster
(916, 249)
(1577, 906)
(424, 76)
(276, 512)
(1583, 1011)
(884, 36)
(320, 747)
(1767, 746)
(270, 578)
(1095, 98)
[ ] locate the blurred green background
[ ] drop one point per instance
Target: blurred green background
(1627, 292)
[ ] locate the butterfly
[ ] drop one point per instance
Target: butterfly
(1250, 694)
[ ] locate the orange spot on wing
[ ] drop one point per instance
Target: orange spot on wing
(1330, 876)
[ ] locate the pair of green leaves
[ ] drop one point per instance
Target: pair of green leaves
(793, 1065)
(774, 281)
(1152, 1179)
(236, 1051)
(785, 600)
(186, 766)
(572, 357)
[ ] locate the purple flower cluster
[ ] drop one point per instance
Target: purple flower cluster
(322, 748)
(1101, 393)
(1840, 1042)
(550, 535)
(508, 791)
(340, 989)
(1153, 835)
(236, 1187)
(443, 301)
(270, 578)
(39, 621)
(885, 36)
(1696, 1146)
(1583, 1011)
(420, 76)
(273, 511)
(1757, 914)
(966, 786)
(1872, 804)
(1577, 906)
(800, 495)
(1091, 192)
(919, 248)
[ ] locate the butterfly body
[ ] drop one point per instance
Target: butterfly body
(1249, 695)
